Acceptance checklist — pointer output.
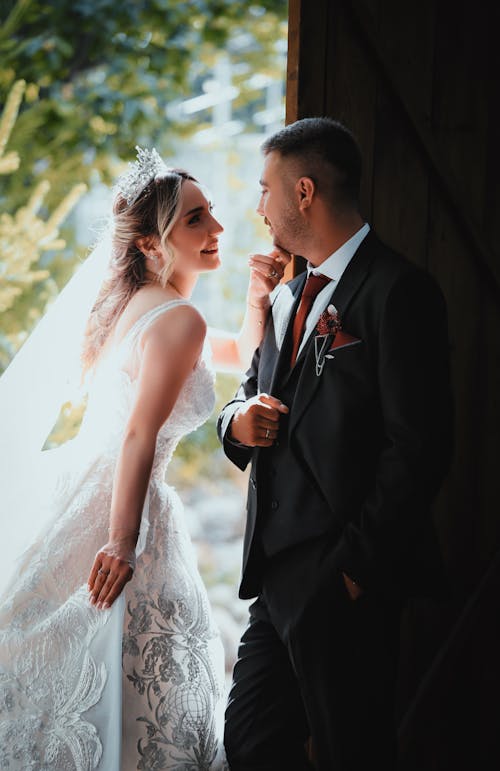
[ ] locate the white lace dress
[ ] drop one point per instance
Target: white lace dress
(138, 686)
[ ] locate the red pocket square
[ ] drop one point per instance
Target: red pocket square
(343, 339)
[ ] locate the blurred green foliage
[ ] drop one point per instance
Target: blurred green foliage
(100, 78)
(101, 74)
(24, 238)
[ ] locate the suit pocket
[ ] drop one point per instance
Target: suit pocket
(334, 350)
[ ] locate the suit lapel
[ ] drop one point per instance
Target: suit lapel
(286, 317)
(350, 281)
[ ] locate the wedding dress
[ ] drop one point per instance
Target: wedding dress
(137, 686)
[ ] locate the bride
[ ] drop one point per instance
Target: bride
(109, 655)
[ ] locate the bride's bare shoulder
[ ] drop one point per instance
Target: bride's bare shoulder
(143, 300)
(182, 325)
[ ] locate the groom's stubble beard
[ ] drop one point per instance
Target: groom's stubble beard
(290, 231)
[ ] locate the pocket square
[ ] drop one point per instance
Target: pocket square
(342, 340)
(330, 331)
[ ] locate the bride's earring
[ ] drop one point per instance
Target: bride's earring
(156, 263)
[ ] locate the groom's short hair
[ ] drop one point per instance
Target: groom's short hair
(327, 152)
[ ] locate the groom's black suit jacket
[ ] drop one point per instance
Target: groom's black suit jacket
(365, 446)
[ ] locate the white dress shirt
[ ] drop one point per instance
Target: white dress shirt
(332, 267)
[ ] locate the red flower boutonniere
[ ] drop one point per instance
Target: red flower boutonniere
(329, 322)
(330, 336)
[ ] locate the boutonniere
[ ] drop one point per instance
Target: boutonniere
(329, 322)
(330, 336)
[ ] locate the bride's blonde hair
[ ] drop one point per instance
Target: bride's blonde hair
(154, 213)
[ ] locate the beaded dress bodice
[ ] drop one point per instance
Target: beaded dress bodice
(113, 391)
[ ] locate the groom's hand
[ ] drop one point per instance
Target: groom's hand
(256, 423)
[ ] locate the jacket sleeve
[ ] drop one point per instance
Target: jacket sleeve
(417, 417)
(238, 453)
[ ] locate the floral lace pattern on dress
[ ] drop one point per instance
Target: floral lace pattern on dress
(166, 641)
(41, 718)
(55, 690)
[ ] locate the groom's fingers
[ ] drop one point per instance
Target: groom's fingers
(268, 427)
(256, 423)
(272, 401)
(268, 433)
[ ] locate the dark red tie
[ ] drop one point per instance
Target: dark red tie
(312, 287)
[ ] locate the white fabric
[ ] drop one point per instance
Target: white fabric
(333, 267)
(43, 375)
(61, 688)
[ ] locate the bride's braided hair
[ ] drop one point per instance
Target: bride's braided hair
(154, 212)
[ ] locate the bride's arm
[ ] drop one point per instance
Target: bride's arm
(171, 348)
(233, 352)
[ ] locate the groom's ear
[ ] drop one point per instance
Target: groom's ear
(305, 189)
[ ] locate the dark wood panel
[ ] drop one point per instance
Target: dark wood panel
(461, 102)
(405, 199)
(457, 510)
(307, 52)
(418, 84)
(308, 49)
(350, 93)
(459, 122)
(418, 131)
(400, 186)
(400, 192)
(489, 394)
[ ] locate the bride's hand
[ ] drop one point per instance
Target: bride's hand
(266, 272)
(113, 566)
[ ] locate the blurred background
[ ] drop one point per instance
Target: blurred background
(82, 83)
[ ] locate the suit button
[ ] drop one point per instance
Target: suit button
(276, 443)
(274, 505)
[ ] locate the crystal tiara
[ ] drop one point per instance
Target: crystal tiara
(140, 173)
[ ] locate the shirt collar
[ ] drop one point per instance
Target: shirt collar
(336, 263)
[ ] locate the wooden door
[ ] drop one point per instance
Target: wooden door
(416, 81)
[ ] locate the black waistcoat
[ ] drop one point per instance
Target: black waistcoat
(291, 507)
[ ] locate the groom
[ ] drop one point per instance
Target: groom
(345, 416)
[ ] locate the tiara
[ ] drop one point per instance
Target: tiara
(140, 173)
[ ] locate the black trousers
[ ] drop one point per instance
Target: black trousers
(314, 665)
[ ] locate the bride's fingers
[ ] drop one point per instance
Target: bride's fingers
(114, 584)
(105, 589)
(98, 583)
(114, 592)
(93, 575)
(281, 255)
(98, 569)
(98, 574)
(266, 264)
(261, 284)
